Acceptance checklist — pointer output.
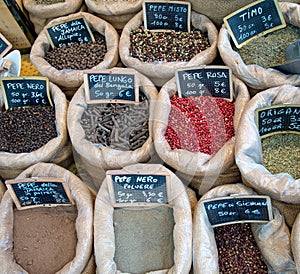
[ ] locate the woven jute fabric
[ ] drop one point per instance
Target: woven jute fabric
(178, 200)
(84, 221)
(69, 78)
(253, 75)
(272, 238)
(199, 170)
(58, 150)
(41, 14)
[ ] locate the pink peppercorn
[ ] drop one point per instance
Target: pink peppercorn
(200, 123)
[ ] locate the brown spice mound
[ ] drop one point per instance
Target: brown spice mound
(44, 238)
(238, 251)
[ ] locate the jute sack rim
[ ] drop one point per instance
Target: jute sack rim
(2, 190)
(295, 242)
(272, 238)
(106, 157)
(68, 77)
(254, 75)
(248, 154)
(104, 240)
(84, 221)
(195, 163)
(114, 8)
(51, 148)
(58, 9)
(162, 69)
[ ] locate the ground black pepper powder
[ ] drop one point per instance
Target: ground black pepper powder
(26, 129)
(174, 46)
(78, 56)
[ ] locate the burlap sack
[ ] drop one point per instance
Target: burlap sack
(68, 79)
(160, 73)
(104, 241)
(41, 14)
(200, 171)
(93, 161)
(84, 221)
(216, 10)
(295, 242)
(272, 238)
(117, 13)
(281, 187)
(57, 150)
(254, 75)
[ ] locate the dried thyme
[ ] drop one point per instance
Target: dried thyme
(269, 50)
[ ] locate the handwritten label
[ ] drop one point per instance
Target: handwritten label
(26, 91)
(213, 81)
(237, 209)
(138, 189)
(34, 192)
(254, 20)
(105, 86)
(278, 119)
(5, 45)
(170, 15)
(75, 30)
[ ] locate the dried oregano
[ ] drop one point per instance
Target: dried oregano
(48, 2)
(281, 154)
(269, 50)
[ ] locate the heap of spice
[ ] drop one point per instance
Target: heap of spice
(174, 46)
(269, 50)
(144, 239)
(45, 239)
(200, 123)
(118, 126)
(25, 129)
(48, 2)
(78, 56)
(281, 154)
(237, 250)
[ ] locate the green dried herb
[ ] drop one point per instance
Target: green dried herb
(269, 50)
(48, 2)
(281, 153)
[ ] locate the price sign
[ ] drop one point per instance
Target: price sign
(138, 189)
(167, 15)
(39, 192)
(213, 81)
(253, 21)
(5, 45)
(26, 91)
(278, 119)
(238, 209)
(75, 30)
(106, 86)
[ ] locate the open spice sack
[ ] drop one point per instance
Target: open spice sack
(143, 223)
(143, 50)
(195, 135)
(239, 247)
(270, 164)
(66, 65)
(111, 135)
(41, 12)
(255, 62)
(117, 13)
(34, 134)
(43, 239)
(295, 241)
